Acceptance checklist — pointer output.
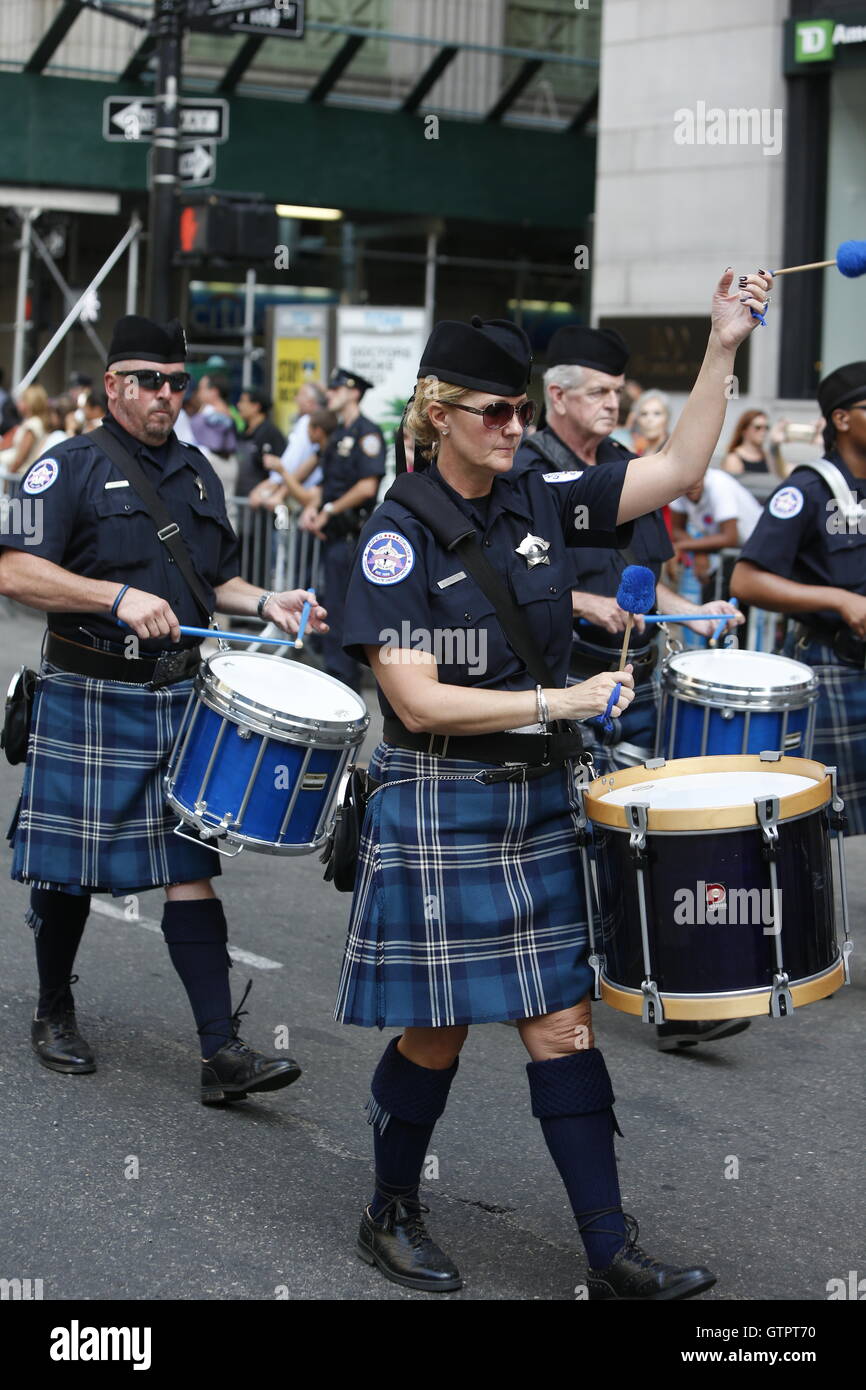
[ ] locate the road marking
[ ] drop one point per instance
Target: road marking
(236, 952)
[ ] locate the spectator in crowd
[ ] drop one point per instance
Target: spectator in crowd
(261, 437)
(748, 451)
(214, 428)
(183, 424)
(652, 422)
(27, 441)
(628, 398)
(92, 407)
(717, 514)
(299, 483)
(59, 410)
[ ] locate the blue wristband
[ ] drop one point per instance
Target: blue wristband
(117, 601)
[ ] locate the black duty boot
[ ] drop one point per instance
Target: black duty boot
(401, 1246)
(236, 1069)
(633, 1274)
(687, 1033)
(55, 1037)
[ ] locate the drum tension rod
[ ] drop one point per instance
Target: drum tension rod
(653, 1009)
(767, 807)
(839, 823)
(596, 960)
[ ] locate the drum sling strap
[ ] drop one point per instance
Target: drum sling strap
(167, 530)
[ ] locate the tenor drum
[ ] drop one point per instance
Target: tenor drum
(731, 701)
(715, 887)
(260, 753)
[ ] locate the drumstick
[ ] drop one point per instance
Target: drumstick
(722, 624)
(305, 614)
(235, 636)
(624, 653)
(850, 258)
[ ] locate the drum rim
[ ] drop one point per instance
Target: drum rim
(737, 817)
(718, 695)
(752, 1003)
(247, 713)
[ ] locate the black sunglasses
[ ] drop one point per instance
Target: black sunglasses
(498, 414)
(154, 381)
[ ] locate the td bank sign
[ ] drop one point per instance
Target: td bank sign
(816, 40)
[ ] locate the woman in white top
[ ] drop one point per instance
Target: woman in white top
(27, 440)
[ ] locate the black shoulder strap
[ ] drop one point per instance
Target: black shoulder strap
(167, 530)
(420, 495)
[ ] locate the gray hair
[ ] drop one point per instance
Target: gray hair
(651, 395)
(567, 376)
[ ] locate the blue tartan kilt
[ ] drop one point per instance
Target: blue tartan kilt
(840, 724)
(469, 902)
(92, 815)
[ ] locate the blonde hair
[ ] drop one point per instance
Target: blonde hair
(417, 421)
(34, 401)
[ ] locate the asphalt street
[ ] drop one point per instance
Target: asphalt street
(121, 1185)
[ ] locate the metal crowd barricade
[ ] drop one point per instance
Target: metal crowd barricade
(275, 552)
(765, 631)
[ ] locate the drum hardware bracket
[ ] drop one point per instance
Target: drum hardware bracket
(595, 961)
(781, 1000)
(652, 763)
(245, 733)
(636, 813)
(770, 756)
(839, 823)
(203, 837)
(767, 808)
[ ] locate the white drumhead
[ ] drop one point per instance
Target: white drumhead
(702, 790)
(275, 683)
(741, 670)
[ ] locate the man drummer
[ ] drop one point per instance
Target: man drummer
(582, 389)
(807, 557)
(115, 679)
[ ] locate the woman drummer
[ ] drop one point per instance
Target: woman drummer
(468, 904)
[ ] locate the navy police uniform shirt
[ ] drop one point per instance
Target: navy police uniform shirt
(92, 523)
(598, 570)
(407, 591)
(353, 452)
(803, 537)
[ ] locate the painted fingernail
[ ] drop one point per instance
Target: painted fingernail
(762, 272)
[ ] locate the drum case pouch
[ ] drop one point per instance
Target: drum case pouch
(340, 855)
(19, 711)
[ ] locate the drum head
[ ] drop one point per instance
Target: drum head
(275, 685)
(703, 790)
(741, 680)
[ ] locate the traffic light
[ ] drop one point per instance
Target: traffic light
(226, 229)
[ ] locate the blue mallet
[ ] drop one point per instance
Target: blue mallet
(636, 594)
(850, 260)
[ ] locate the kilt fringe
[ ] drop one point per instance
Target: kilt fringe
(376, 1114)
(33, 920)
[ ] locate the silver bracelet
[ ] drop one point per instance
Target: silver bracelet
(541, 707)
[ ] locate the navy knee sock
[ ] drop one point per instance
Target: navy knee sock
(58, 922)
(196, 934)
(405, 1103)
(573, 1098)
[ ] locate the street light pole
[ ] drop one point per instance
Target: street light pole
(169, 24)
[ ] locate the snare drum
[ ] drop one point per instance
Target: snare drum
(731, 701)
(261, 751)
(715, 887)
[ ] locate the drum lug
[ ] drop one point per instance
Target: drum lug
(767, 808)
(847, 948)
(652, 763)
(653, 1010)
(596, 964)
(770, 756)
(781, 1001)
(245, 733)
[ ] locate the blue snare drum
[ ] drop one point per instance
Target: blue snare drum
(731, 701)
(261, 751)
(715, 886)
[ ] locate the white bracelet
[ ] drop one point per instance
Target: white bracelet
(541, 707)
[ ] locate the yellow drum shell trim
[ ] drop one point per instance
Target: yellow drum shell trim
(697, 818)
(710, 1006)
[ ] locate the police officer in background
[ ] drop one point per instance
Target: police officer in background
(582, 389)
(92, 817)
(353, 465)
(807, 557)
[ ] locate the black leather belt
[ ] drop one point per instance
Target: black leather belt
(536, 750)
(849, 649)
(164, 668)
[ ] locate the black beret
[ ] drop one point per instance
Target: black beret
(138, 338)
(492, 356)
(340, 377)
(842, 387)
(575, 345)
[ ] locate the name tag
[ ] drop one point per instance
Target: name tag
(452, 579)
(122, 483)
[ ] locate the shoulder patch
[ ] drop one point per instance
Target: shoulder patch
(786, 503)
(568, 477)
(41, 476)
(371, 444)
(388, 558)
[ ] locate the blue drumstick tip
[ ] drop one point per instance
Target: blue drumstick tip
(637, 589)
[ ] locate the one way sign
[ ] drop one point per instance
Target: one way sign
(196, 165)
(134, 118)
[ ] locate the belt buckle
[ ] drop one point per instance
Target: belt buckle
(169, 531)
(433, 752)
